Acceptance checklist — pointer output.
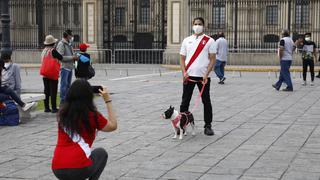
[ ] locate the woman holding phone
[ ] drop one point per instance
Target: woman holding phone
(78, 122)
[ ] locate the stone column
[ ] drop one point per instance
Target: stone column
(178, 26)
(90, 22)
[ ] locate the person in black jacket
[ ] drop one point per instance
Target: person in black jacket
(82, 66)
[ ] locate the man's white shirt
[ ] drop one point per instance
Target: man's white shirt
(200, 66)
(222, 49)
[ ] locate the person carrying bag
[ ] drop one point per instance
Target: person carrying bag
(50, 70)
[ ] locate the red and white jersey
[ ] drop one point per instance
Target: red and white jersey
(71, 153)
(189, 45)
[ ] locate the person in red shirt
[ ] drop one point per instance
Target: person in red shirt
(78, 123)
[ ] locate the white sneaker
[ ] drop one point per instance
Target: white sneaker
(28, 106)
(304, 83)
(311, 84)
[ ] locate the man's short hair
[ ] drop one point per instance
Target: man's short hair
(221, 34)
(5, 57)
(67, 33)
(308, 34)
(198, 18)
(285, 33)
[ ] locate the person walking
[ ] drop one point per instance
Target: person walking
(222, 56)
(50, 67)
(285, 52)
(78, 123)
(308, 57)
(197, 58)
(64, 48)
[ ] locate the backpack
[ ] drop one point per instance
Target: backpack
(84, 68)
(9, 115)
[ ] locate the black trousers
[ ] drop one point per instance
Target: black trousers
(305, 64)
(10, 93)
(50, 91)
(99, 158)
(187, 95)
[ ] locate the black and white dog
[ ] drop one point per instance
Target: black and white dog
(179, 121)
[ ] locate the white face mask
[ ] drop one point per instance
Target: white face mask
(197, 29)
(71, 41)
(307, 39)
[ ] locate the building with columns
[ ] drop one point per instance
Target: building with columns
(161, 24)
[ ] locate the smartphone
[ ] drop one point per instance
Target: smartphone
(95, 89)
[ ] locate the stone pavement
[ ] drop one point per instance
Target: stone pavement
(261, 134)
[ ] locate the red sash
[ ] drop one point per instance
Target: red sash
(200, 47)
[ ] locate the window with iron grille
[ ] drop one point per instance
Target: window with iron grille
(76, 18)
(144, 11)
(65, 13)
(272, 15)
(218, 15)
(302, 13)
(120, 16)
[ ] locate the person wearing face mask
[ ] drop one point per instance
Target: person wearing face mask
(308, 58)
(64, 47)
(197, 58)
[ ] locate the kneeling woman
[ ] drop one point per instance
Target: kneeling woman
(78, 123)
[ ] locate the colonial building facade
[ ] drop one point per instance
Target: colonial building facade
(161, 24)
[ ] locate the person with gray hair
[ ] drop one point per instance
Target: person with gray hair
(285, 52)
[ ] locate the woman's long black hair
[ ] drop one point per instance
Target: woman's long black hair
(73, 115)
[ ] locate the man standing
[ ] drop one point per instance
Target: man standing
(196, 61)
(64, 48)
(308, 57)
(286, 48)
(222, 56)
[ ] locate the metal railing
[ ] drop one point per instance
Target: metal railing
(100, 56)
(238, 57)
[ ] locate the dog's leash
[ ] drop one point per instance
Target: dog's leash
(200, 95)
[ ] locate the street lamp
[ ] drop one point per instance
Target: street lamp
(5, 20)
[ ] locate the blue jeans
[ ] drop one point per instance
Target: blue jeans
(66, 77)
(219, 68)
(285, 74)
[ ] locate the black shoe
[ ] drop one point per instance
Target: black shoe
(220, 82)
(47, 110)
(55, 110)
(208, 131)
(222, 79)
(287, 89)
(275, 87)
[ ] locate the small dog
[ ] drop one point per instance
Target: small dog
(179, 121)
